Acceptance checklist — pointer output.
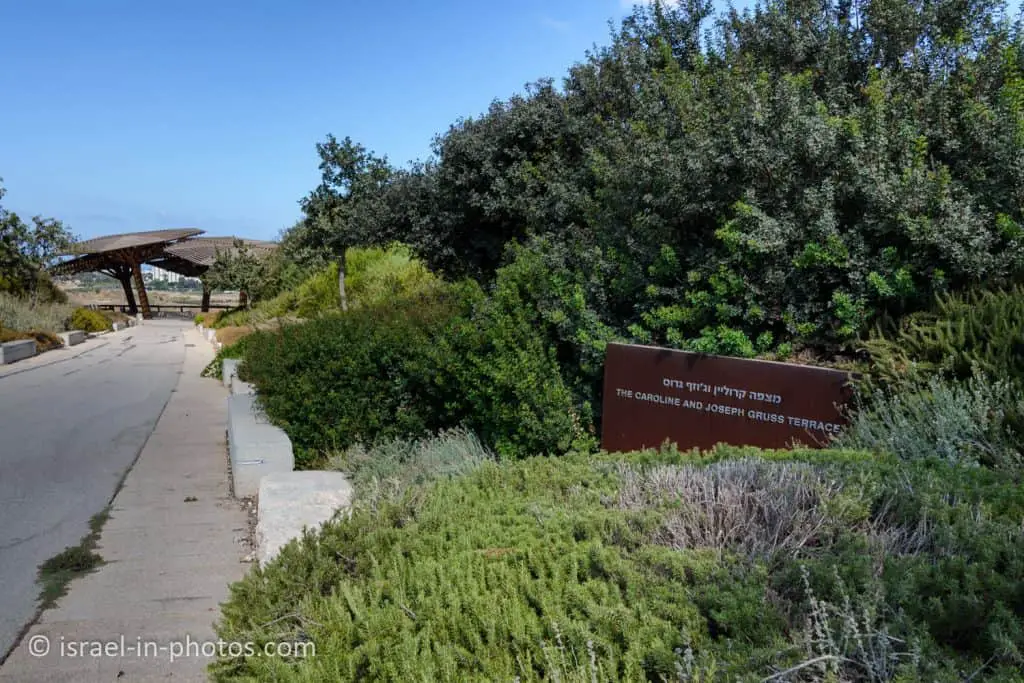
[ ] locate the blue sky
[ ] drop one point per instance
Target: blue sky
(124, 115)
(128, 115)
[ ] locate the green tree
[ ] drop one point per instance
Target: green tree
(740, 181)
(26, 249)
(240, 269)
(336, 212)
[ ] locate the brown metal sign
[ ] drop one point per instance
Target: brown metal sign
(653, 394)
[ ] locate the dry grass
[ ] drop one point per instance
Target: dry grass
(18, 314)
(754, 507)
(760, 508)
(116, 296)
(45, 341)
(230, 335)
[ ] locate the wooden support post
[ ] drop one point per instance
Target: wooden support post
(243, 299)
(205, 308)
(141, 286)
(124, 276)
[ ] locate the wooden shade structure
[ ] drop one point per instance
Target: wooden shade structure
(121, 257)
(179, 251)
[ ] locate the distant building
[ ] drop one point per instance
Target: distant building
(155, 274)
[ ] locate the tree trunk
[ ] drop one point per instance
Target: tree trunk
(243, 299)
(205, 308)
(341, 281)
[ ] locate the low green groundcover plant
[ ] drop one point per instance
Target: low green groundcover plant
(734, 565)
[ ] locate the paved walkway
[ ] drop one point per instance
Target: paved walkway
(72, 424)
(168, 562)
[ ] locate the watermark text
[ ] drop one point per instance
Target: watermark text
(43, 646)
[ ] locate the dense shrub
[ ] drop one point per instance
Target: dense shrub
(446, 358)
(740, 181)
(317, 295)
(374, 276)
(88, 320)
(357, 377)
(504, 373)
(377, 275)
(548, 287)
(231, 318)
(977, 329)
(639, 568)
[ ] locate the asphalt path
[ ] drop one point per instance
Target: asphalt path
(72, 423)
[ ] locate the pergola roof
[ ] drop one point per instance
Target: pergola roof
(132, 240)
(114, 251)
(84, 264)
(202, 251)
(177, 265)
(178, 250)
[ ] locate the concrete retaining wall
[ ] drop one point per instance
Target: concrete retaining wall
(228, 370)
(240, 387)
(262, 464)
(257, 448)
(72, 337)
(291, 501)
(17, 350)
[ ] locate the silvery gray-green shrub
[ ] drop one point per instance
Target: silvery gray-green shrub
(958, 422)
